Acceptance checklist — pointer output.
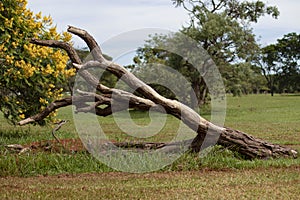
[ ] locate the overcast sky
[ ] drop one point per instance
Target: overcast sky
(105, 19)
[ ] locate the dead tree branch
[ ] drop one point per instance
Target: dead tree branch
(245, 144)
(59, 125)
(49, 109)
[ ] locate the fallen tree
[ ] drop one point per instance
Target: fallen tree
(148, 98)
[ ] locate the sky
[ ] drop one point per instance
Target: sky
(110, 21)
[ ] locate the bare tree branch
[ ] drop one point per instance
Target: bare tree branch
(59, 44)
(59, 125)
(89, 40)
(50, 108)
(117, 100)
(181, 111)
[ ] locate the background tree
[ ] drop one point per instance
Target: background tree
(280, 64)
(153, 57)
(267, 62)
(288, 49)
(223, 29)
(30, 75)
(243, 78)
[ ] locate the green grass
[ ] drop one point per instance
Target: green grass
(111, 129)
(221, 174)
(271, 183)
(270, 118)
(275, 119)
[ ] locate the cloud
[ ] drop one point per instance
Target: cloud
(272, 29)
(106, 19)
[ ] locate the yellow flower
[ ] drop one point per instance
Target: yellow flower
(39, 15)
(60, 66)
(20, 64)
(51, 85)
(50, 93)
(52, 31)
(22, 116)
(43, 101)
(14, 44)
(9, 59)
(1, 6)
(53, 114)
(48, 70)
(9, 22)
(66, 37)
(70, 73)
(38, 25)
(46, 19)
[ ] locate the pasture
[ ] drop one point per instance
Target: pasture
(222, 174)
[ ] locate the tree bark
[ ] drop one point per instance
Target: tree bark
(207, 133)
(252, 147)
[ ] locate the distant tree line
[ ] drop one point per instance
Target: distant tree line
(279, 63)
(223, 29)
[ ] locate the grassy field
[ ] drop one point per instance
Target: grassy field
(273, 183)
(79, 175)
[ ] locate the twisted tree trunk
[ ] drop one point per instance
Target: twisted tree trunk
(238, 141)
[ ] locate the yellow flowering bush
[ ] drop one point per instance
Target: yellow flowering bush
(31, 76)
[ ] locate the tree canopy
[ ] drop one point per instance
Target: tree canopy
(223, 29)
(280, 64)
(30, 75)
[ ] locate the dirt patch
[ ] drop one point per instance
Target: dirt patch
(76, 145)
(64, 145)
(72, 145)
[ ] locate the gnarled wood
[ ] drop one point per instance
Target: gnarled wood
(252, 147)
